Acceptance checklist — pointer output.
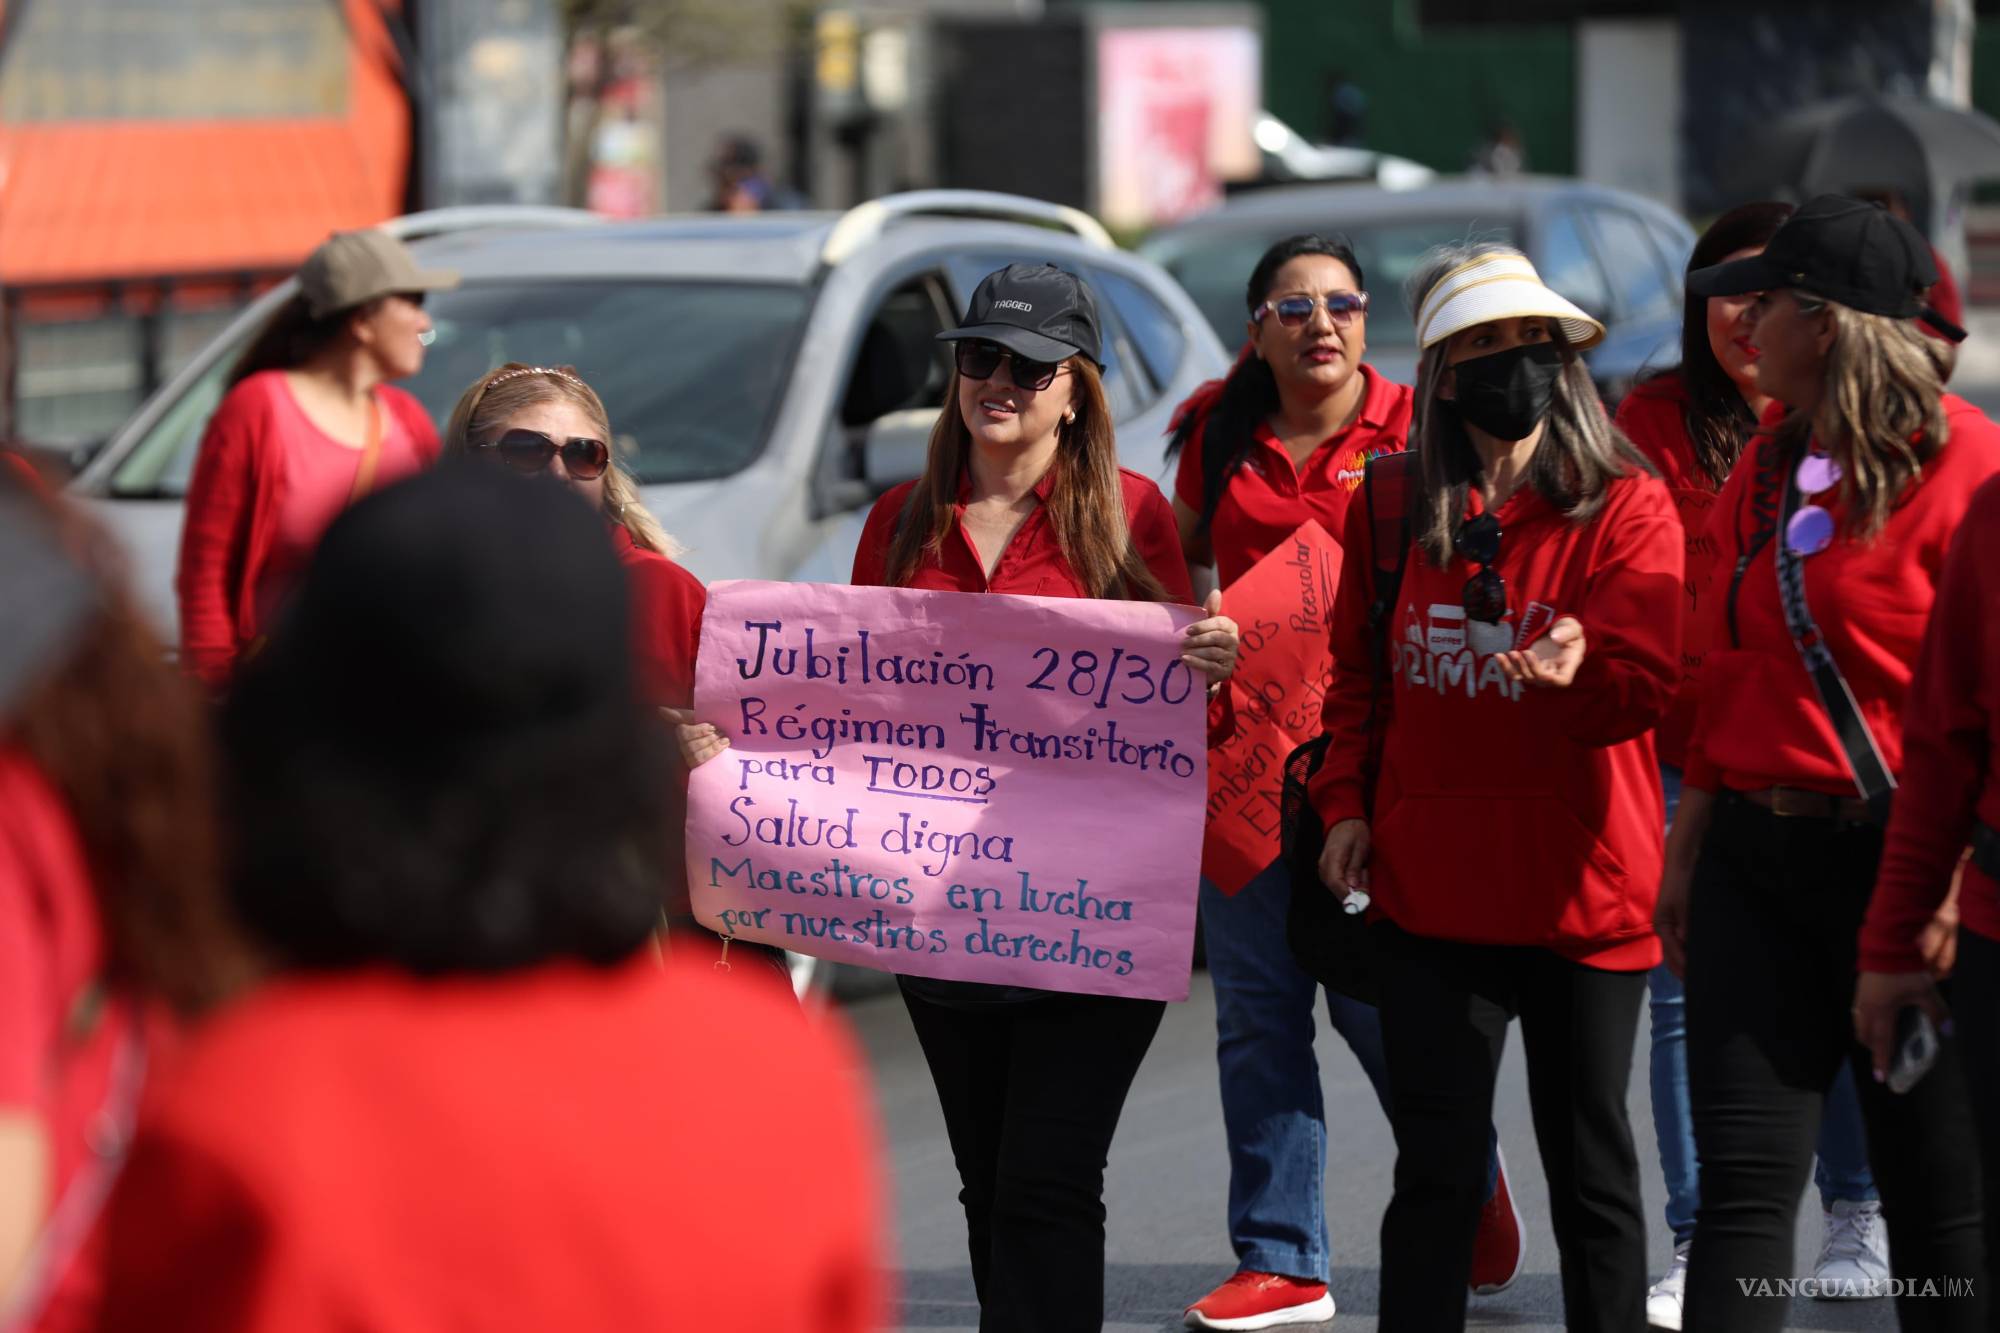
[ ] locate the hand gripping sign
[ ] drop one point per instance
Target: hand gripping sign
(961, 785)
(1284, 604)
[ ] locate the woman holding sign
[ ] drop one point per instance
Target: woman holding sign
(1834, 529)
(1510, 840)
(1022, 493)
(1692, 424)
(1279, 444)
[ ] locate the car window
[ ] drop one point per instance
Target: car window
(1638, 275)
(1569, 266)
(1215, 269)
(1154, 328)
(900, 364)
(1676, 248)
(691, 373)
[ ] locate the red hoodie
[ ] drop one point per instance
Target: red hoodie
(1511, 814)
(1654, 417)
(1951, 755)
(1760, 723)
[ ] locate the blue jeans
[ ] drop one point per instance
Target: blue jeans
(1272, 1107)
(1842, 1169)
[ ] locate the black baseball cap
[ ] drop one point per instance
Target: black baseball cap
(1037, 310)
(1844, 250)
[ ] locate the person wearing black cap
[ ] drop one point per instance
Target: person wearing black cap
(469, 1095)
(1022, 493)
(1831, 531)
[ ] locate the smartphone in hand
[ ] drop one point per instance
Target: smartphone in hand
(1916, 1049)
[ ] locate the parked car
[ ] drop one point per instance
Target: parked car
(769, 375)
(1615, 254)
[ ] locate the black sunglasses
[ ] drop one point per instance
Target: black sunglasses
(530, 451)
(1478, 540)
(979, 359)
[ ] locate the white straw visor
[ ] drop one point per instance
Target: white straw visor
(1498, 286)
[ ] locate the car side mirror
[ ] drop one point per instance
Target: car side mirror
(895, 448)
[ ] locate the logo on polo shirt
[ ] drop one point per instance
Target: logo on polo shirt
(1022, 306)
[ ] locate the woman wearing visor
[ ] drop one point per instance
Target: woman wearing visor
(309, 425)
(1022, 493)
(1833, 529)
(1513, 844)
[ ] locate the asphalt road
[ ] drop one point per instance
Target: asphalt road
(1169, 1177)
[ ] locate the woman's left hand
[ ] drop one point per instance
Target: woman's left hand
(1210, 645)
(1550, 661)
(1879, 999)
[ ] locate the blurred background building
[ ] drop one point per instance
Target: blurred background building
(163, 160)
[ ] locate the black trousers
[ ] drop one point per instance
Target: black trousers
(1445, 1011)
(1775, 910)
(1976, 1016)
(1031, 1095)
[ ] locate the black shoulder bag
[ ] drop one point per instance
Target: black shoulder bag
(1333, 947)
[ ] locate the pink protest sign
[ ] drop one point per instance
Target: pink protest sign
(978, 787)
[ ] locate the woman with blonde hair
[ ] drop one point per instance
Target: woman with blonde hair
(1833, 529)
(1490, 780)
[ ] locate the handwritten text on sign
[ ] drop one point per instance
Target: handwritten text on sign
(979, 787)
(1284, 604)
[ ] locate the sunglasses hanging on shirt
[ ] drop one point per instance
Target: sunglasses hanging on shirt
(1485, 594)
(1810, 530)
(529, 451)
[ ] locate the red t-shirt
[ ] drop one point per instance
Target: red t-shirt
(635, 1147)
(1759, 722)
(1951, 755)
(1654, 417)
(51, 952)
(667, 603)
(264, 486)
(1269, 497)
(1033, 563)
(1507, 814)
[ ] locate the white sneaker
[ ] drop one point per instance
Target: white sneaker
(1854, 1257)
(1663, 1301)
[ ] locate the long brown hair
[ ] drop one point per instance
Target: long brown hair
(1881, 414)
(493, 399)
(1086, 503)
(292, 336)
(124, 740)
(1581, 453)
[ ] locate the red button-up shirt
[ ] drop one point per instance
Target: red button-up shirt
(1269, 496)
(1033, 563)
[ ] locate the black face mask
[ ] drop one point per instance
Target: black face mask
(1506, 394)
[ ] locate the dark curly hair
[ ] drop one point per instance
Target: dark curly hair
(124, 740)
(442, 761)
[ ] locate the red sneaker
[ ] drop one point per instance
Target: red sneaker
(1261, 1300)
(1501, 1247)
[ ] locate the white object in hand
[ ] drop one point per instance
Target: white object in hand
(1356, 902)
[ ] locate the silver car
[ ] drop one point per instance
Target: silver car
(768, 376)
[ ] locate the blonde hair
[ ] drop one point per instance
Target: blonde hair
(1880, 416)
(1581, 453)
(1086, 503)
(493, 399)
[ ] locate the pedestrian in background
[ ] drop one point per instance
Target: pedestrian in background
(1949, 799)
(1834, 527)
(1022, 493)
(310, 423)
(1512, 845)
(1280, 442)
(1692, 423)
(470, 1096)
(107, 906)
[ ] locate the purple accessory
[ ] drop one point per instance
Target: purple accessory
(1817, 472)
(1810, 531)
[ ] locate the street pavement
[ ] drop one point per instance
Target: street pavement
(1169, 1178)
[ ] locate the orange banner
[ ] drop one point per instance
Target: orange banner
(1284, 606)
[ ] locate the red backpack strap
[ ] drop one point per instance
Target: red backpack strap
(1386, 485)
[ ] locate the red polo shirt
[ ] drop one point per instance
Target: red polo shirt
(1033, 563)
(667, 603)
(1269, 496)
